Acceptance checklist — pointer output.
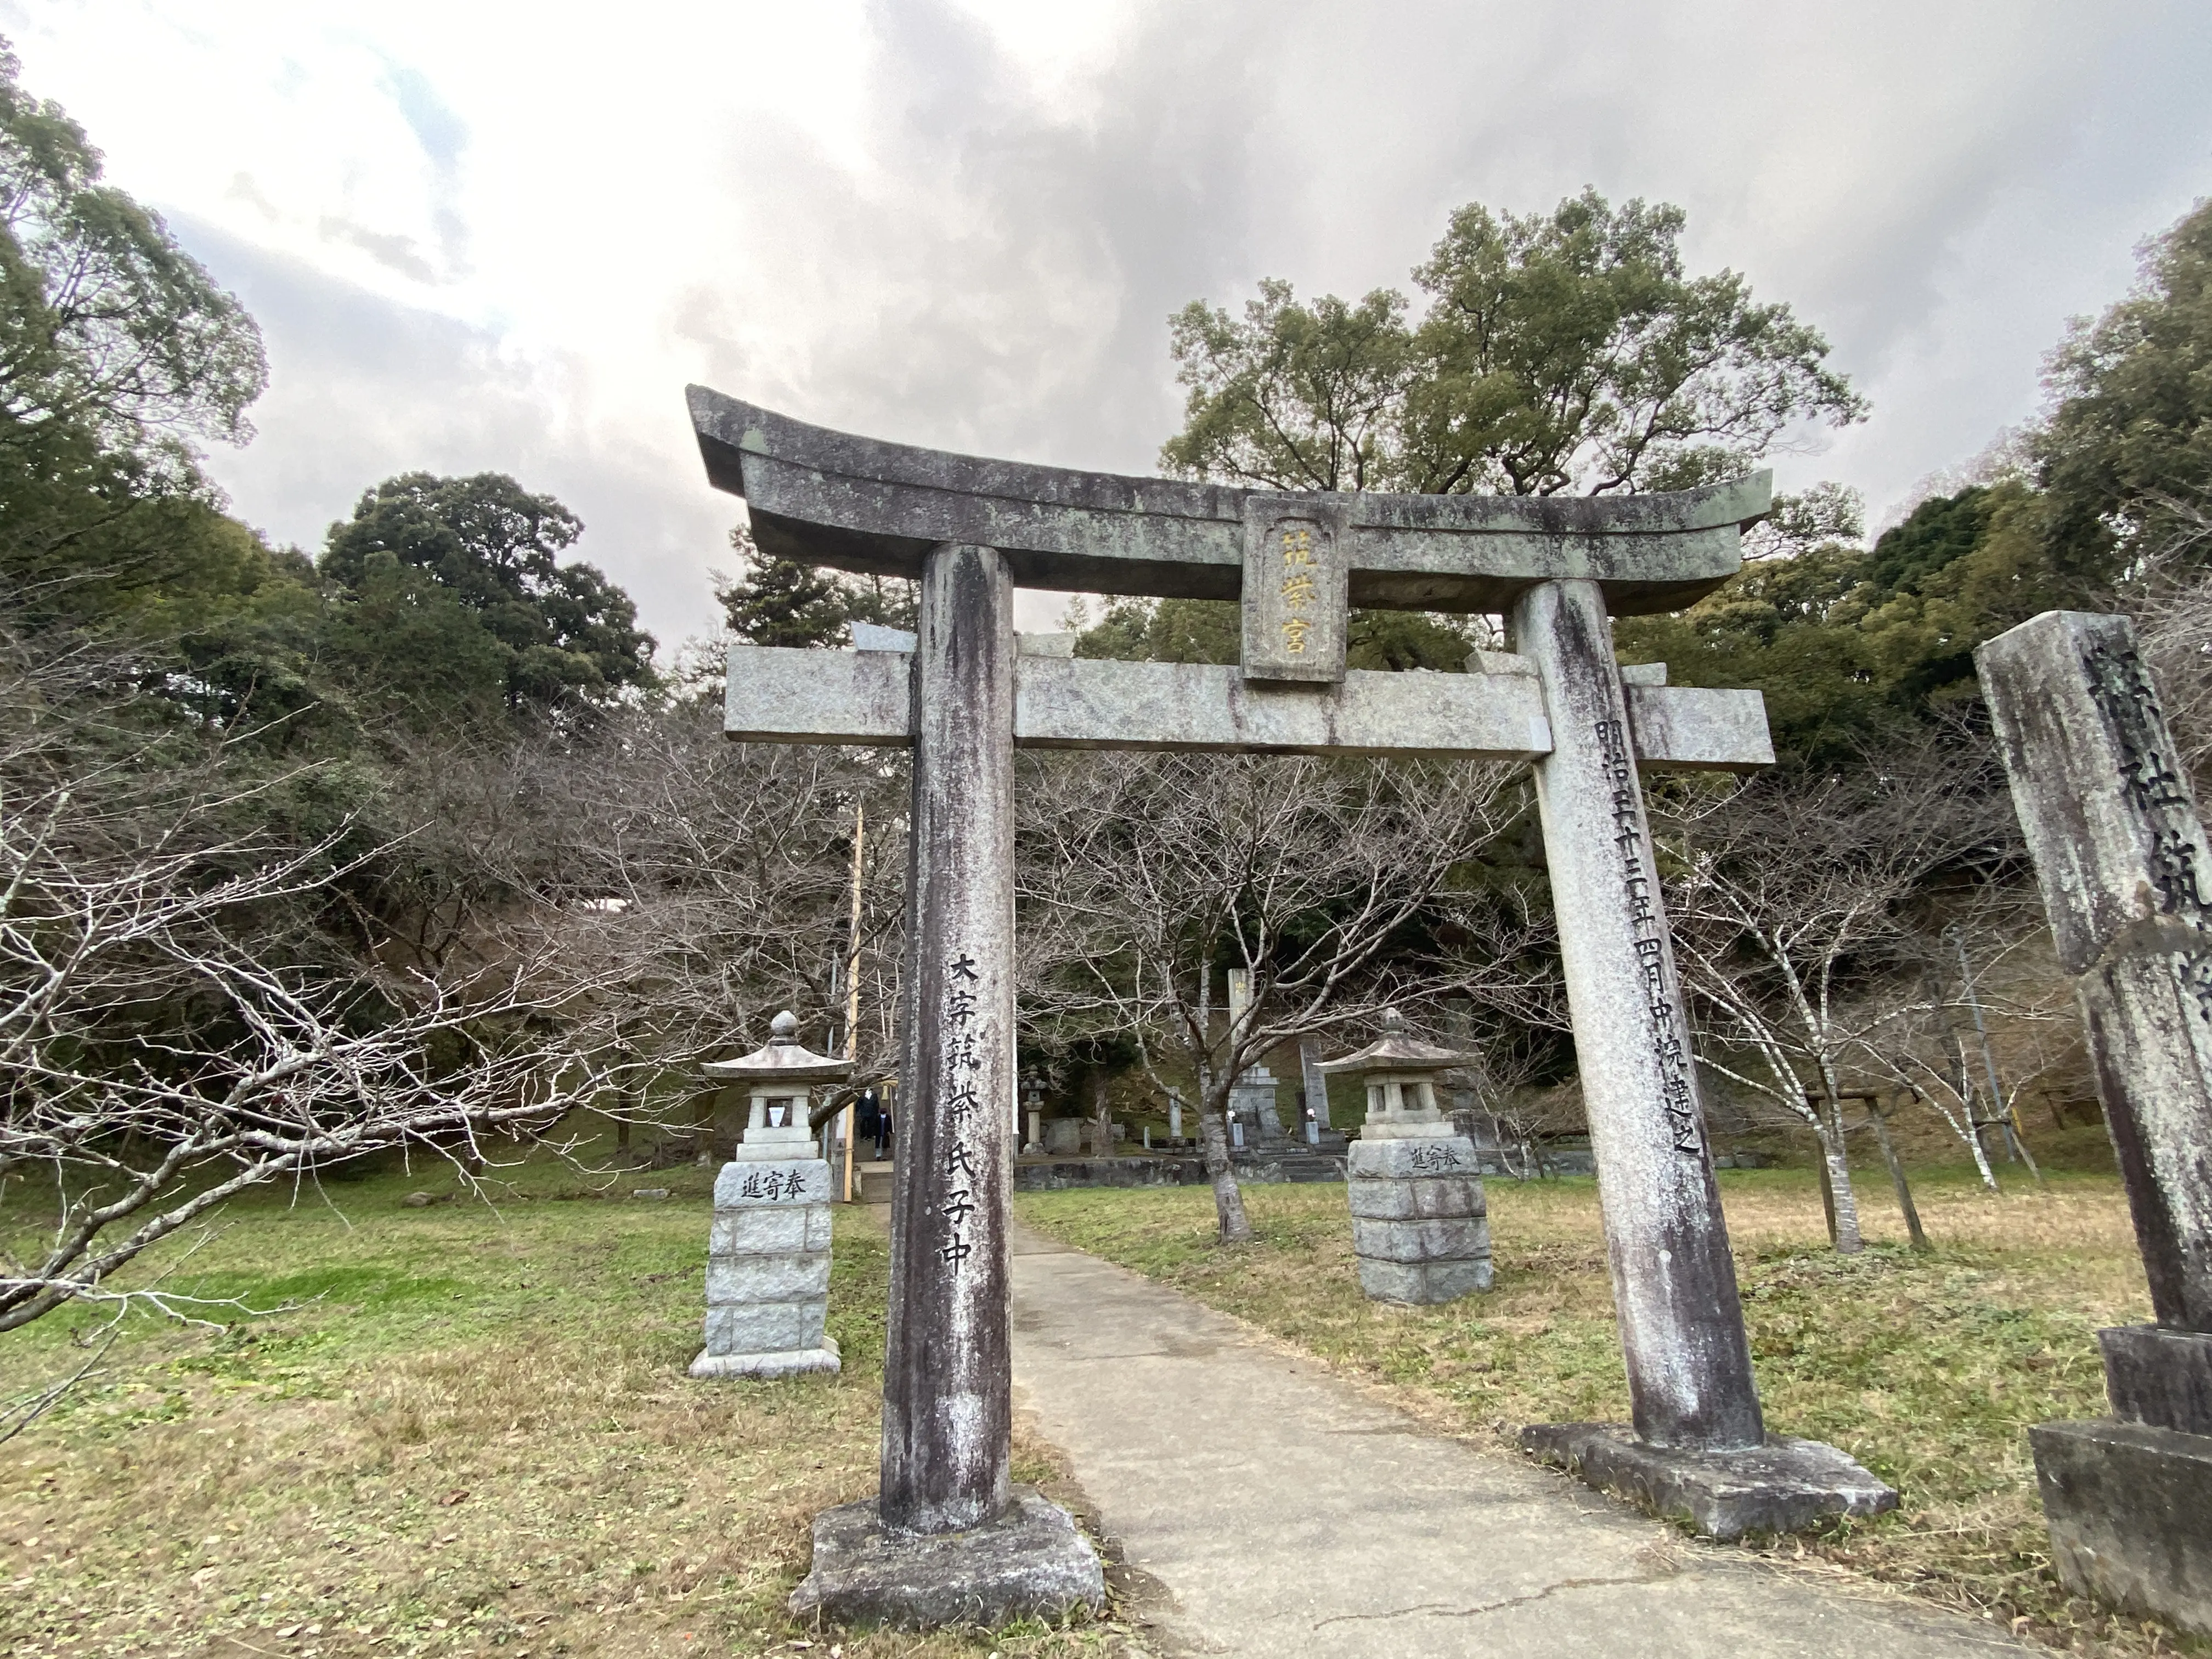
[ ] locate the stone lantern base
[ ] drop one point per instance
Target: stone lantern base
(1421, 1226)
(768, 1265)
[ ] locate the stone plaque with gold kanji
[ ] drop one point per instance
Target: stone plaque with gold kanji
(1295, 557)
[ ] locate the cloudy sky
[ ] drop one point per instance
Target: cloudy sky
(497, 236)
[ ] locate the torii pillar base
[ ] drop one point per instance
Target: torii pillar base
(1031, 1563)
(1785, 1486)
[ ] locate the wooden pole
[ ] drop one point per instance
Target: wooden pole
(853, 982)
(1896, 1172)
(948, 1417)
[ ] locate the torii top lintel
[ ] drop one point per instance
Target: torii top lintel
(863, 505)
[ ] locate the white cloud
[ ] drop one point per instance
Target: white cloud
(479, 237)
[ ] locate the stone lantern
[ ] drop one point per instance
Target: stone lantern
(768, 1254)
(1033, 1114)
(1420, 1226)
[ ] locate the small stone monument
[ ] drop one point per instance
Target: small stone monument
(768, 1254)
(1252, 1096)
(1419, 1227)
(2126, 875)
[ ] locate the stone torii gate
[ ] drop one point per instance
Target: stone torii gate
(967, 532)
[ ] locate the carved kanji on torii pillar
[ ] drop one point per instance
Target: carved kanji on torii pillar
(970, 530)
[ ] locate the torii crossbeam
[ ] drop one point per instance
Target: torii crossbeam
(969, 530)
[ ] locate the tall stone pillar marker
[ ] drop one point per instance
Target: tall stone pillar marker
(2126, 877)
(949, 1539)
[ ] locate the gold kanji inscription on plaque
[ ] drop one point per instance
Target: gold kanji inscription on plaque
(1294, 589)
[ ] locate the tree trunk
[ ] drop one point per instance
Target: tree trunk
(1220, 1173)
(1897, 1174)
(1962, 1084)
(1847, 1239)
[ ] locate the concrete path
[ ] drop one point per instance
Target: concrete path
(1287, 1512)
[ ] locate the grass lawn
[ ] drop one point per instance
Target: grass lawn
(474, 1434)
(1928, 1368)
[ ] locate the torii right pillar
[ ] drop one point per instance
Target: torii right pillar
(2127, 881)
(1697, 1446)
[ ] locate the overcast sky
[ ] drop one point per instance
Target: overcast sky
(504, 237)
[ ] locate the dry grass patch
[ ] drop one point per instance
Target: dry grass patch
(1928, 1368)
(479, 1440)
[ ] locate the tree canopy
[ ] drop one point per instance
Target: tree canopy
(783, 602)
(2129, 437)
(559, 632)
(1562, 352)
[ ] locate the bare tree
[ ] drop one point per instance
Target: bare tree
(1336, 885)
(2170, 597)
(1794, 894)
(1917, 1042)
(174, 1031)
(718, 881)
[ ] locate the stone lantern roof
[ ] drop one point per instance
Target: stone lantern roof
(785, 1060)
(1395, 1052)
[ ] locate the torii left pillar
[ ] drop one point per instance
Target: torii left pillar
(950, 1539)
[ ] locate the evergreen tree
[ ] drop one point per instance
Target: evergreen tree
(564, 634)
(783, 602)
(2129, 439)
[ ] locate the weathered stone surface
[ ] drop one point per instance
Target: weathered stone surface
(783, 1183)
(2095, 774)
(1688, 728)
(1424, 1284)
(1419, 1237)
(1417, 1198)
(2148, 1020)
(948, 1407)
(789, 1362)
(2130, 1513)
(797, 1277)
(1036, 1177)
(833, 498)
(2159, 1377)
(1780, 1486)
(1029, 1563)
(2126, 875)
(1411, 1158)
(765, 1327)
(1673, 1281)
(776, 694)
(765, 1229)
(1296, 550)
(1420, 1240)
(1293, 1165)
